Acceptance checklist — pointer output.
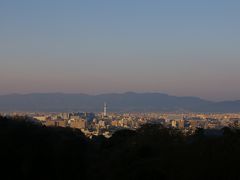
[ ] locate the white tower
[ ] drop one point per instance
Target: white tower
(105, 110)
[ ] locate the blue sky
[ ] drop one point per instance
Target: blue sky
(187, 47)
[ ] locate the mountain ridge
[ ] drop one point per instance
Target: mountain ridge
(118, 102)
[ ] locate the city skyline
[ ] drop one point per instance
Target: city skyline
(187, 48)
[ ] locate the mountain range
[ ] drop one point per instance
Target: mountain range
(125, 102)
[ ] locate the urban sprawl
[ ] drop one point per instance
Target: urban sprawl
(106, 123)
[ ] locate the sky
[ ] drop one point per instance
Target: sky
(183, 48)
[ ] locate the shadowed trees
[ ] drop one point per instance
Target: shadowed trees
(32, 151)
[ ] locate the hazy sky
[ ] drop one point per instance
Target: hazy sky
(180, 47)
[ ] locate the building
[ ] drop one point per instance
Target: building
(181, 124)
(58, 123)
(174, 123)
(40, 118)
(78, 124)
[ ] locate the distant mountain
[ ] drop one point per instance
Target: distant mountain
(126, 102)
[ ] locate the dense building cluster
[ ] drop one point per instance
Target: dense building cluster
(103, 123)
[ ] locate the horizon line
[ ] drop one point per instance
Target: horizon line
(117, 93)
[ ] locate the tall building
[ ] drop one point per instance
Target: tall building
(105, 110)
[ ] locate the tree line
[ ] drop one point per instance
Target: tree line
(33, 151)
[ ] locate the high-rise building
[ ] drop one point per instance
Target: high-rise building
(105, 110)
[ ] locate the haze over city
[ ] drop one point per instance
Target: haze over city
(183, 48)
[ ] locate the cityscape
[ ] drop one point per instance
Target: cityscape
(119, 89)
(106, 123)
